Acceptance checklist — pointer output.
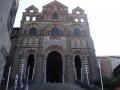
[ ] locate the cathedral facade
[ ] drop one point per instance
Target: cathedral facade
(54, 46)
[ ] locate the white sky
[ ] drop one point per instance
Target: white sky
(103, 17)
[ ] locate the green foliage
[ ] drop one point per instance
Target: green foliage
(110, 83)
(97, 83)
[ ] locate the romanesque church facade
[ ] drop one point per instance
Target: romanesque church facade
(54, 46)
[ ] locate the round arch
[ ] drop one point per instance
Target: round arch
(54, 67)
(62, 28)
(55, 31)
(30, 67)
(116, 71)
(54, 48)
(78, 66)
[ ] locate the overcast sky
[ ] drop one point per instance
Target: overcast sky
(103, 17)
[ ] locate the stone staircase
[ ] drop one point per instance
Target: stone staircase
(4, 82)
(55, 86)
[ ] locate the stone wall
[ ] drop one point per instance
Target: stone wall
(6, 25)
(54, 29)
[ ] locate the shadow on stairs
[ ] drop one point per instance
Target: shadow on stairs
(55, 86)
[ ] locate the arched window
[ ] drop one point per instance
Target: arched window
(33, 31)
(31, 10)
(76, 32)
(55, 16)
(78, 12)
(55, 31)
(82, 20)
(27, 18)
(76, 20)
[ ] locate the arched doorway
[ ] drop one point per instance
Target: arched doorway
(30, 67)
(78, 67)
(54, 67)
(116, 71)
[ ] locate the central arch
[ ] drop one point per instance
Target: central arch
(54, 67)
(78, 67)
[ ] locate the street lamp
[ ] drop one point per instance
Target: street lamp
(8, 78)
(101, 80)
(87, 74)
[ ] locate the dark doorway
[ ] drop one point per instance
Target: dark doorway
(30, 67)
(116, 71)
(78, 67)
(54, 67)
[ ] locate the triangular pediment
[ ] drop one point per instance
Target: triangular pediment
(32, 7)
(55, 2)
(78, 8)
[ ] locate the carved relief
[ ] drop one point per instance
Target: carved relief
(54, 48)
(47, 42)
(78, 43)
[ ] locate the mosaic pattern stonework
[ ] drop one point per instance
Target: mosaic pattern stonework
(53, 38)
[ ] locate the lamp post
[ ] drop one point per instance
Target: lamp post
(81, 74)
(16, 82)
(8, 78)
(87, 74)
(101, 80)
(26, 86)
(21, 76)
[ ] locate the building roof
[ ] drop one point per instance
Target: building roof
(55, 2)
(32, 7)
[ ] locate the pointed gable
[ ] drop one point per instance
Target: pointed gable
(54, 4)
(78, 9)
(32, 7)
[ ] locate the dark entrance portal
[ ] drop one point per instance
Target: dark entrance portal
(116, 71)
(78, 67)
(54, 67)
(30, 67)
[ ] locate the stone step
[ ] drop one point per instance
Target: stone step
(55, 86)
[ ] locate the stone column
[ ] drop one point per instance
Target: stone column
(85, 69)
(38, 74)
(74, 70)
(69, 68)
(22, 64)
(43, 74)
(64, 68)
(34, 68)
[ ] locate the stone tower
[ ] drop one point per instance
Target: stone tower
(55, 46)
